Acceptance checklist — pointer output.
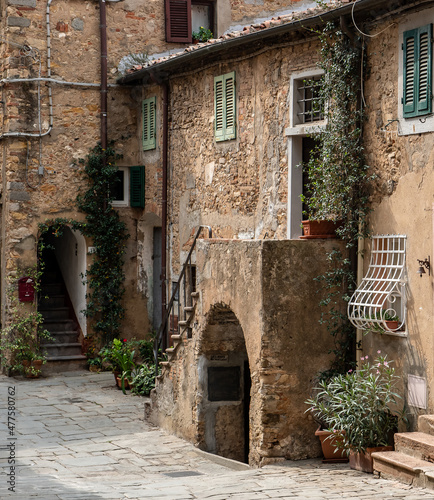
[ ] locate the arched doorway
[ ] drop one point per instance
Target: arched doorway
(224, 377)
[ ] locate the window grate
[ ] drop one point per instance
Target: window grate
(381, 295)
(309, 102)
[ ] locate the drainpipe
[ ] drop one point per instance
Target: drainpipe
(165, 86)
(103, 37)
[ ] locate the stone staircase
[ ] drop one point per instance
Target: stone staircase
(185, 330)
(412, 462)
(64, 352)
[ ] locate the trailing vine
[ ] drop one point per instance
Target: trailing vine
(105, 277)
(338, 183)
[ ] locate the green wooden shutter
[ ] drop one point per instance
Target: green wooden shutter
(149, 125)
(137, 187)
(417, 91)
(225, 107)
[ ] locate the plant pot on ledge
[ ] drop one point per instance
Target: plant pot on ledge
(314, 229)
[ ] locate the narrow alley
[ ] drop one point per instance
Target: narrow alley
(75, 436)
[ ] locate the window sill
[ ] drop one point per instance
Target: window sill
(306, 128)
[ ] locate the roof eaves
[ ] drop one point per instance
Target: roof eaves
(171, 64)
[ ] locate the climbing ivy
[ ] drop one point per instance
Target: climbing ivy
(105, 277)
(338, 186)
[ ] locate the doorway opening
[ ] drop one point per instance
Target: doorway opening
(226, 384)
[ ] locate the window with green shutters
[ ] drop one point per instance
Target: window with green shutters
(149, 123)
(417, 86)
(137, 186)
(225, 107)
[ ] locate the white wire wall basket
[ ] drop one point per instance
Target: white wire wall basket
(379, 303)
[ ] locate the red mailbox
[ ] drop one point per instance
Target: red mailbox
(26, 289)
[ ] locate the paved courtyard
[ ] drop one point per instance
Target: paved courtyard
(76, 436)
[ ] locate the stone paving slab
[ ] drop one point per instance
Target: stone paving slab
(78, 438)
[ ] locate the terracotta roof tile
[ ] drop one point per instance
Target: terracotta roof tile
(253, 28)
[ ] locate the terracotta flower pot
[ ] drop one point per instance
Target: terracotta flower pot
(331, 454)
(313, 229)
(364, 461)
(392, 325)
(119, 383)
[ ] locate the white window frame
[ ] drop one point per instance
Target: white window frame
(417, 124)
(295, 133)
(125, 202)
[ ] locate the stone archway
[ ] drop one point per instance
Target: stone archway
(224, 383)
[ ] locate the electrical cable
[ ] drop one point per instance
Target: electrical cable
(360, 31)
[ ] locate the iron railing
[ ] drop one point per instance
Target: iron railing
(171, 323)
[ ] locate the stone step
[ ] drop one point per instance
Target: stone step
(60, 364)
(176, 338)
(63, 337)
(48, 289)
(189, 309)
(55, 325)
(52, 301)
(425, 423)
(195, 295)
(404, 468)
(55, 313)
(56, 350)
(415, 444)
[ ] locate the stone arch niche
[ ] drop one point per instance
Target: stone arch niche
(224, 386)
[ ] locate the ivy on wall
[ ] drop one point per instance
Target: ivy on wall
(105, 277)
(338, 186)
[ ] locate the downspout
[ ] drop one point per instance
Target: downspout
(165, 86)
(103, 38)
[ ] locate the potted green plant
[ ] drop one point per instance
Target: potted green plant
(119, 357)
(203, 35)
(359, 409)
(20, 339)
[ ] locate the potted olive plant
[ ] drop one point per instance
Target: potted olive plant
(359, 409)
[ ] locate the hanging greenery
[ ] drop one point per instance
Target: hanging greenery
(105, 277)
(339, 181)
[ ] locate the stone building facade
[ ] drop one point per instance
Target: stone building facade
(247, 188)
(51, 115)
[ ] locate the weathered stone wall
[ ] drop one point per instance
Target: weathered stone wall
(75, 56)
(267, 286)
(238, 187)
(402, 199)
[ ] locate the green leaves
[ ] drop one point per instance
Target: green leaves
(361, 403)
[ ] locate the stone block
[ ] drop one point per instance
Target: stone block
(77, 24)
(23, 3)
(21, 22)
(19, 196)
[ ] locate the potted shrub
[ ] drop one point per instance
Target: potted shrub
(20, 340)
(203, 35)
(119, 355)
(358, 408)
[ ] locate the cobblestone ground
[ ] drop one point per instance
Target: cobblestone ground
(77, 437)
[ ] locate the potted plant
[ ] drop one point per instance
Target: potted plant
(21, 351)
(20, 340)
(358, 408)
(386, 317)
(203, 35)
(119, 356)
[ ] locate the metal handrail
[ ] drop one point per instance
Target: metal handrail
(162, 330)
